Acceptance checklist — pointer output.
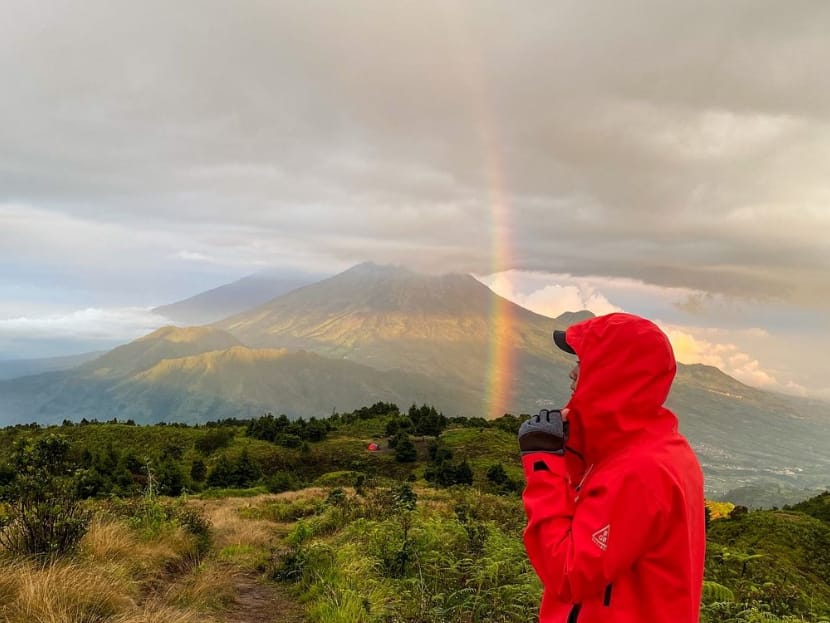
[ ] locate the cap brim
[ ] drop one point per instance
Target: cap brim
(561, 342)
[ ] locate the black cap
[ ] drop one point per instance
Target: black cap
(561, 342)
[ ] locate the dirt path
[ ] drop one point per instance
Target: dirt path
(259, 602)
(256, 600)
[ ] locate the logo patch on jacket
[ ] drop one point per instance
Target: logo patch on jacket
(600, 537)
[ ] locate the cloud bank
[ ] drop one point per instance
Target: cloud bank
(685, 149)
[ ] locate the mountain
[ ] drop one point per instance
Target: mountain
(449, 327)
(235, 297)
(15, 368)
(387, 333)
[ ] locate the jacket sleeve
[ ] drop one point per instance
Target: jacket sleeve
(580, 546)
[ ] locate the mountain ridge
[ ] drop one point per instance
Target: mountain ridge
(231, 298)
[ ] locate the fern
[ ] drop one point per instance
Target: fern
(716, 593)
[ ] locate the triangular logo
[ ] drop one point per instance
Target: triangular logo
(600, 537)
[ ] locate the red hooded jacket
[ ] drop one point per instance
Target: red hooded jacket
(618, 538)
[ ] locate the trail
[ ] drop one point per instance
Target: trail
(256, 599)
(260, 602)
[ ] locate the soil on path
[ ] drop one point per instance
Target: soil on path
(262, 602)
(256, 599)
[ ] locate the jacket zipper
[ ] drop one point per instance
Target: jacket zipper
(574, 615)
(606, 600)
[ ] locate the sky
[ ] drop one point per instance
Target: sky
(668, 159)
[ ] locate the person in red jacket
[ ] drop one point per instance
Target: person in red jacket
(614, 495)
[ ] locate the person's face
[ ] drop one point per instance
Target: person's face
(574, 376)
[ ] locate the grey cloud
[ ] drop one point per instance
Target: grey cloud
(684, 145)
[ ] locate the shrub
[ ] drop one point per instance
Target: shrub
(405, 451)
(44, 514)
(282, 481)
(449, 473)
(198, 471)
(214, 439)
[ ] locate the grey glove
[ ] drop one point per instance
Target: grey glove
(544, 432)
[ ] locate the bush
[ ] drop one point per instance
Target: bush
(448, 473)
(282, 481)
(214, 439)
(198, 470)
(405, 451)
(44, 514)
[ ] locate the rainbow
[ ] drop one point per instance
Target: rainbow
(499, 379)
(501, 358)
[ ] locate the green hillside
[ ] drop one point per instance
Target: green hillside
(776, 561)
(427, 528)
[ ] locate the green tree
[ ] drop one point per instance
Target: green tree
(222, 473)
(170, 478)
(405, 451)
(214, 439)
(198, 470)
(496, 474)
(246, 471)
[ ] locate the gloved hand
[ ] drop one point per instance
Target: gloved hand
(544, 432)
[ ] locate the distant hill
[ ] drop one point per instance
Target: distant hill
(255, 379)
(165, 343)
(569, 318)
(196, 374)
(235, 297)
(15, 368)
(387, 333)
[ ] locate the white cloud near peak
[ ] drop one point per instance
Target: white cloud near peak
(553, 299)
(84, 324)
(689, 349)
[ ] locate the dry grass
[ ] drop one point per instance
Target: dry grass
(209, 587)
(112, 545)
(244, 540)
(232, 530)
(105, 581)
(62, 593)
(159, 613)
(118, 576)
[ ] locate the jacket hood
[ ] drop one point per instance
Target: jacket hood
(626, 368)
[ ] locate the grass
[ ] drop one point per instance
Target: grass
(482, 448)
(55, 593)
(221, 494)
(126, 573)
(286, 507)
(457, 557)
(106, 580)
(357, 557)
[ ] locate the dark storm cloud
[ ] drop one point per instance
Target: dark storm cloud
(683, 145)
